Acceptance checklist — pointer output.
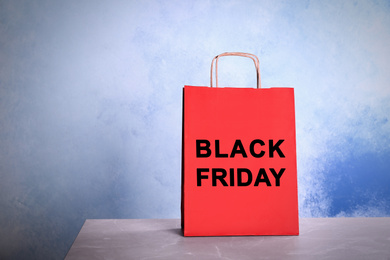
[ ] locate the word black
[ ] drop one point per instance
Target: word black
(203, 149)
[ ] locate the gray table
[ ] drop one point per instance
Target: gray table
(320, 238)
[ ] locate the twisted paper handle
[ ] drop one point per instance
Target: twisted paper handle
(242, 54)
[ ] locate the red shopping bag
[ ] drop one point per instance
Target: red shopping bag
(239, 173)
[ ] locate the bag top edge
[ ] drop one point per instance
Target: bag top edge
(281, 87)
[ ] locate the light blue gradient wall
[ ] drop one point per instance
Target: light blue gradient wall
(90, 105)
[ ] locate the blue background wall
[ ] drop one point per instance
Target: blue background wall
(90, 105)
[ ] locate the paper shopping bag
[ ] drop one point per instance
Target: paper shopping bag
(239, 172)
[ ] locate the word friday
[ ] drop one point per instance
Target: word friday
(236, 176)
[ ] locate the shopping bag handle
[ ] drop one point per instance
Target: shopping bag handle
(242, 54)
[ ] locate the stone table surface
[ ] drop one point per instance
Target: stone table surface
(320, 238)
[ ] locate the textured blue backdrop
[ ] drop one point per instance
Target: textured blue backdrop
(90, 105)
